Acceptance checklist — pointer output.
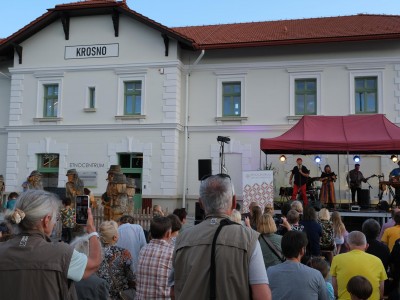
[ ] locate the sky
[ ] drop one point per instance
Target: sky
(173, 13)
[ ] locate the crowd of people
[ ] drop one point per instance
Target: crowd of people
(301, 254)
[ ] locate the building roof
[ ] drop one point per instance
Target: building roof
(301, 31)
(361, 27)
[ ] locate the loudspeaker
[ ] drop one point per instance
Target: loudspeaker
(364, 198)
(204, 168)
(199, 214)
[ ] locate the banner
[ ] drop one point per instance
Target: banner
(258, 186)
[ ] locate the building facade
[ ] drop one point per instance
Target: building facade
(92, 84)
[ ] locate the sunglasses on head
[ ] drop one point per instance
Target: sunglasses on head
(221, 175)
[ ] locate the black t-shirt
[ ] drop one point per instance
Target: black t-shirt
(379, 250)
(298, 178)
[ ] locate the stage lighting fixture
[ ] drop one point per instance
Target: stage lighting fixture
(394, 158)
(282, 158)
(317, 159)
(356, 158)
(223, 139)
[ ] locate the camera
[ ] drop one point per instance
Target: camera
(223, 139)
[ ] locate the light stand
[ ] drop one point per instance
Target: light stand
(222, 140)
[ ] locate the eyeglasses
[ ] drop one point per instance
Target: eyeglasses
(221, 175)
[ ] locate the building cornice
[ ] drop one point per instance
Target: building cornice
(94, 127)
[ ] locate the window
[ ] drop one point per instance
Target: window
(306, 96)
(231, 95)
(133, 97)
(366, 89)
(366, 95)
(131, 104)
(48, 166)
(50, 100)
(305, 92)
(92, 97)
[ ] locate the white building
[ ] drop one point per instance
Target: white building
(93, 83)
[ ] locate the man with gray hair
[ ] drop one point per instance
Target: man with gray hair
(371, 229)
(237, 266)
(357, 262)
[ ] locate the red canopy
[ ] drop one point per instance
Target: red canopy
(355, 134)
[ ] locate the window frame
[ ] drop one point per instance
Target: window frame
(232, 95)
(40, 108)
(91, 97)
(292, 90)
(133, 95)
(352, 97)
(122, 78)
(226, 78)
(305, 92)
(47, 98)
(42, 169)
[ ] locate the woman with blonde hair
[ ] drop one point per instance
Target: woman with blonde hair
(116, 265)
(269, 209)
(270, 242)
(236, 216)
(339, 231)
(327, 242)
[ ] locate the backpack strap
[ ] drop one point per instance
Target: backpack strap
(213, 282)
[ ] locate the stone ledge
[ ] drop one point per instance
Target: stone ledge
(47, 120)
(238, 119)
(132, 117)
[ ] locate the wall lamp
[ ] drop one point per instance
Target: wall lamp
(356, 158)
(394, 158)
(317, 159)
(282, 158)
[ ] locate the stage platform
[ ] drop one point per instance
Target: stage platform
(381, 216)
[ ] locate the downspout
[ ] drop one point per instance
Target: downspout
(186, 134)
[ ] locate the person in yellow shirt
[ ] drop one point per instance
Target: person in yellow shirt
(357, 262)
(392, 234)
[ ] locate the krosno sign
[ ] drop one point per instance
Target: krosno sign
(92, 51)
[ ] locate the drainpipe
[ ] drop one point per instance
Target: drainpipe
(186, 134)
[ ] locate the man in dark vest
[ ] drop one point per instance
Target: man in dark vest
(236, 252)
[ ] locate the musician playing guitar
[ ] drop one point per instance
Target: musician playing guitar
(327, 194)
(394, 178)
(354, 180)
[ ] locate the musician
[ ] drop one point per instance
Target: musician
(300, 174)
(394, 178)
(327, 193)
(354, 180)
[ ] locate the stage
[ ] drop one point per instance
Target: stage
(357, 217)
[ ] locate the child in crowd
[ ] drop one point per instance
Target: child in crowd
(321, 265)
(339, 232)
(68, 220)
(11, 201)
(359, 288)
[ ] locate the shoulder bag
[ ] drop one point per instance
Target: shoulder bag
(273, 248)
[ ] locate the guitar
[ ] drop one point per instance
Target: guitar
(352, 184)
